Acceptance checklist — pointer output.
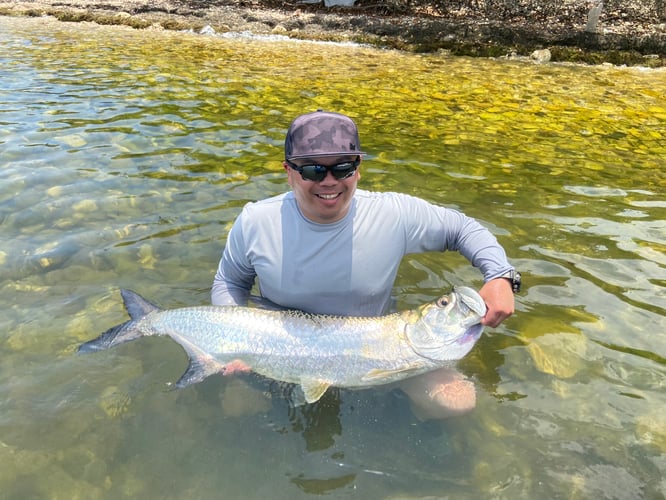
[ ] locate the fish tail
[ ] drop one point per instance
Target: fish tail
(113, 336)
(137, 307)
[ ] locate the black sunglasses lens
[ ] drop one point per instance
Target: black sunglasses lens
(343, 170)
(315, 173)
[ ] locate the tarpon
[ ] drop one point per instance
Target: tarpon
(312, 351)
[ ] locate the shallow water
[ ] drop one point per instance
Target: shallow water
(125, 156)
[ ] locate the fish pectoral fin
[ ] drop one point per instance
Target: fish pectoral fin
(314, 389)
(383, 374)
(198, 370)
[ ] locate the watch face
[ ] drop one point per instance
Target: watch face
(516, 281)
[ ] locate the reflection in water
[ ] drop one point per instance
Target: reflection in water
(319, 423)
(124, 157)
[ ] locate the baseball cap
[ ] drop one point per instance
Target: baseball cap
(322, 133)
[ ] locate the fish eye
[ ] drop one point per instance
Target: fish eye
(442, 302)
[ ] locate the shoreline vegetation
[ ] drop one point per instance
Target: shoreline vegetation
(633, 33)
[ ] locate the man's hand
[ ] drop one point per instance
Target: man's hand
(498, 296)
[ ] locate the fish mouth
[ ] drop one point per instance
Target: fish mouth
(471, 299)
(472, 334)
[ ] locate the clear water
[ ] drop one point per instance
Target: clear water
(125, 156)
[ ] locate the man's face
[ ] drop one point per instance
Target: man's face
(327, 200)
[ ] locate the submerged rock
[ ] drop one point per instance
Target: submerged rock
(207, 30)
(541, 56)
(561, 355)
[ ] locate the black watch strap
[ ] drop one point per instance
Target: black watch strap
(515, 278)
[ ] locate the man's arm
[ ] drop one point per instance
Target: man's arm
(235, 276)
(448, 229)
(432, 228)
(483, 250)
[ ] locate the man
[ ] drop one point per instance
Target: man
(327, 247)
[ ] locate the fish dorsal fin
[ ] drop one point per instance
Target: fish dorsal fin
(388, 375)
(314, 389)
(137, 307)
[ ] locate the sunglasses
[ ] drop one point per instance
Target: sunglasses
(317, 173)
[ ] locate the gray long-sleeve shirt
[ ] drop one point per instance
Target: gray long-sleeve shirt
(347, 267)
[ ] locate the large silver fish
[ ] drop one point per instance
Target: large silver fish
(313, 351)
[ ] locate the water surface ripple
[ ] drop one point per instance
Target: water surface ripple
(126, 155)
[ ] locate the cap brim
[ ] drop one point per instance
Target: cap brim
(323, 155)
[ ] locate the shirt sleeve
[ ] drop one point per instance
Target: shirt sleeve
(235, 276)
(434, 228)
(481, 248)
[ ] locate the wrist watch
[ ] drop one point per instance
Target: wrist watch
(514, 277)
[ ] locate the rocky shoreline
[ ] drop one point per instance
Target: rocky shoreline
(620, 39)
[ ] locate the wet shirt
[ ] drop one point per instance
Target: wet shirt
(347, 267)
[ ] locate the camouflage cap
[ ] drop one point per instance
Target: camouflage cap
(322, 133)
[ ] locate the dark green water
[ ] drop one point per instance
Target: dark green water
(126, 155)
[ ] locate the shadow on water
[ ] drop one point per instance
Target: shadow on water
(350, 439)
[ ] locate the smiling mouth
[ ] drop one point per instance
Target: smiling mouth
(328, 196)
